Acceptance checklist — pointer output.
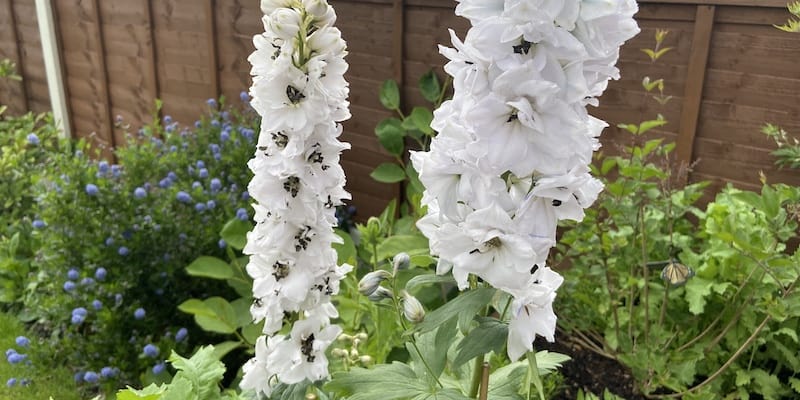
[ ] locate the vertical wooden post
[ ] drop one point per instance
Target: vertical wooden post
(693, 91)
(105, 92)
(398, 27)
(211, 32)
(52, 52)
(18, 47)
(155, 89)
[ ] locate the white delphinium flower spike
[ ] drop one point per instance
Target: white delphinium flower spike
(301, 94)
(515, 141)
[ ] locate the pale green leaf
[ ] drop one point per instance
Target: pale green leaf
(210, 267)
(390, 95)
(388, 173)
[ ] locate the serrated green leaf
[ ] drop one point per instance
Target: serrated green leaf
(429, 86)
(489, 335)
(428, 279)
(151, 392)
(210, 267)
(550, 361)
(504, 383)
(391, 135)
(234, 233)
(795, 384)
(697, 289)
(202, 371)
(467, 303)
(388, 173)
(390, 95)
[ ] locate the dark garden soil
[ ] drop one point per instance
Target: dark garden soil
(590, 371)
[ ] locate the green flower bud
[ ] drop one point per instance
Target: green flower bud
(372, 281)
(380, 294)
(412, 308)
(401, 261)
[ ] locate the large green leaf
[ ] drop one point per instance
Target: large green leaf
(388, 173)
(489, 335)
(195, 307)
(465, 306)
(428, 279)
(392, 245)
(384, 381)
(210, 267)
(421, 117)
(235, 233)
(391, 135)
(223, 320)
(390, 95)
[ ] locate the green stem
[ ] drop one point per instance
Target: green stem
(476, 377)
(405, 329)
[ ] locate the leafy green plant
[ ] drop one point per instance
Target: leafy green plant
(788, 152)
(630, 293)
(395, 132)
(792, 25)
(198, 378)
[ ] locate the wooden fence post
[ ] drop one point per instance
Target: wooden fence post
(155, 89)
(398, 30)
(105, 91)
(211, 32)
(693, 91)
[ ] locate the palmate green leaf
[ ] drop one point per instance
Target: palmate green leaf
(388, 173)
(430, 87)
(390, 95)
(401, 243)
(391, 135)
(295, 391)
(151, 392)
(489, 335)
(210, 267)
(697, 290)
(384, 381)
(795, 384)
(504, 383)
(464, 307)
(548, 361)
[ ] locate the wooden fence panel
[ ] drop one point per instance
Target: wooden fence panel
(122, 54)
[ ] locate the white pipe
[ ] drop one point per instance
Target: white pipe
(52, 66)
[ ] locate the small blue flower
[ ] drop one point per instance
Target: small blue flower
(22, 341)
(181, 334)
(202, 173)
(118, 299)
(212, 103)
(222, 244)
(91, 377)
(100, 274)
(33, 139)
(159, 368)
(242, 214)
(73, 274)
(77, 319)
(38, 224)
(87, 281)
(25, 382)
(139, 313)
(150, 350)
(244, 97)
(165, 183)
(170, 128)
(196, 185)
(123, 251)
(183, 197)
(214, 148)
(200, 207)
(69, 286)
(109, 241)
(97, 304)
(198, 124)
(248, 133)
(92, 190)
(11, 382)
(200, 164)
(116, 170)
(102, 166)
(225, 115)
(139, 193)
(167, 119)
(172, 176)
(173, 149)
(224, 136)
(16, 358)
(108, 372)
(211, 204)
(216, 184)
(182, 237)
(245, 195)
(78, 376)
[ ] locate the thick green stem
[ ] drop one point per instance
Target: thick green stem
(476, 377)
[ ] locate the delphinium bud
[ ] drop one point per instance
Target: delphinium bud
(372, 281)
(412, 308)
(401, 261)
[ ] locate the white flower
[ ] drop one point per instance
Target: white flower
(259, 373)
(302, 356)
(533, 314)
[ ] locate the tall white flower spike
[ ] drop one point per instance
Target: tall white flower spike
(511, 158)
(301, 94)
